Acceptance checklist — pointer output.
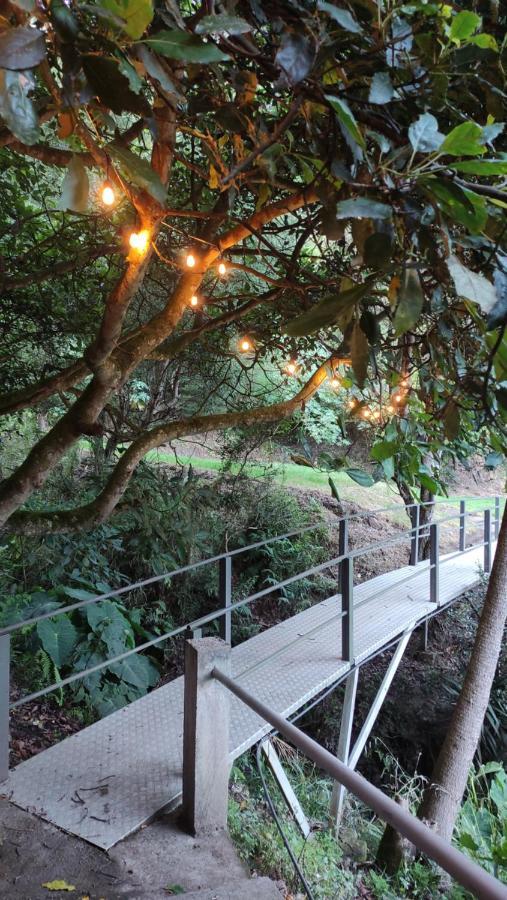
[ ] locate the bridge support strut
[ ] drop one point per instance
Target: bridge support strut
(351, 758)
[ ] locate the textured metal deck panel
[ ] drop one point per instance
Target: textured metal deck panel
(109, 779)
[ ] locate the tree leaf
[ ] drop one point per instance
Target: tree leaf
(139, 171)
(222, 24)
(334, 490)
(111, 86)
(360, 477)
(465, 140)
(451, 422)
(75, 187)
(294, 57)
(184, 46)
(16, 107)
(156, 69)
(481, 166)
(424, 135)
(346, 118)
(326, 312)
(362, 208)
(410, 302)
(463, 25)
(360, 353)
(383, 450)
(342, 16)
(381, 88)
(135, 14)
(58, 637)
(377, 250)
(472, 286)
(22, 48)
(457, 203)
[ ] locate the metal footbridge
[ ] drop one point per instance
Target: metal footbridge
(112, 777)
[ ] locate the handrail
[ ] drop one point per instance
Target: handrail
(222, 612)
(210, 617)
(464, 870)
(117, 592)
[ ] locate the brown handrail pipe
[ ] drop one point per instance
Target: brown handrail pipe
(467, 873)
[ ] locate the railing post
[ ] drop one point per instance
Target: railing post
(225, 596)
(415, 515)
(497, 517)
(343, 547)
(462, 524)
(434, 562)
(5, 642)
(206, 763)
(487, 540)
(347, 578)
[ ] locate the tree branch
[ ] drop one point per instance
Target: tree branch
(102, 506)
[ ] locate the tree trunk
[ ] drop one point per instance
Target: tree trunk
(444, 794)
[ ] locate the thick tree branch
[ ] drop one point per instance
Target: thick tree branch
(101, 508)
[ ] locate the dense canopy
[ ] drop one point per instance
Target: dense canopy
(208, 188)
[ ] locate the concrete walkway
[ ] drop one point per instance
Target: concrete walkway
(150, 864)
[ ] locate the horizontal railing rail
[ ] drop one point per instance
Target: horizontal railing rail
(182, 570)
(344, 561)
(467, 873)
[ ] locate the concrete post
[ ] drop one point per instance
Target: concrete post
(205, 737)
(435, 563)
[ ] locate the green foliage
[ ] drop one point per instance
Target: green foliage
(481, 828)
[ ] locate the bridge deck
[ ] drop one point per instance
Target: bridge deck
(112, 777)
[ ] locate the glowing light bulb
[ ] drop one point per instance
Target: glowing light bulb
(107, 195)
(397, 398)
(351, 404)
(376, 414)
(245, 345)
(366, 413)
(139, 240)
(190, 260)
(404, 383)
(335, 383)
(222, 268)
(390, 409)
(194, 300)
(291, 367)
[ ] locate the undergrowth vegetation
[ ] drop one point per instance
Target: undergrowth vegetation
(346, 868)
(168, 520)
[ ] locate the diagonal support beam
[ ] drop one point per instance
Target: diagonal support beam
(339, 792)
(273, 761)
(349, 704)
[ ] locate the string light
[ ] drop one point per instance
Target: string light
(194, 300)
(139, 240)
(107, 194)
(222, 268)
(366, 413)
(376, 414)
(390, 409)
(190, 260)
(397, 398)
(291, 367)
(351, 404)
(245, 344)
(335, 383)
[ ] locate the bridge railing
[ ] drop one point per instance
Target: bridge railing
(223, 615)
(206, 766)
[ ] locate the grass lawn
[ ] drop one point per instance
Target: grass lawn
(292, 475)
(378, 496)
